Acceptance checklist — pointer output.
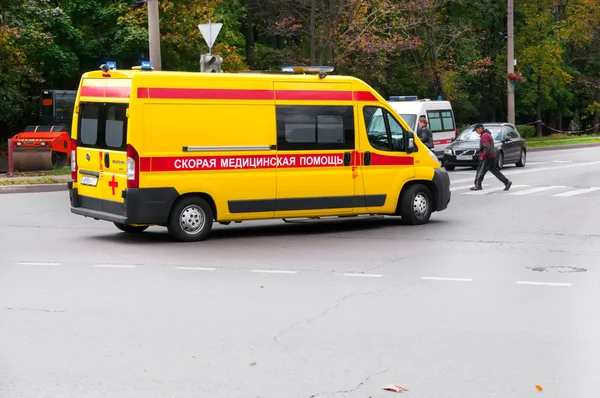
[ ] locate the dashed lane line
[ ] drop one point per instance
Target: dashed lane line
(365, 275)
(543, 283)
(535, 190)
(486, 191)
(196, 268)
(577, 192)
(38, 263)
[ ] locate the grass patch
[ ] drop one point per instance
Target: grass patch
(55, 172)
(563, 142)
(36, 181)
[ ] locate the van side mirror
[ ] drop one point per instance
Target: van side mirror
(410, 142)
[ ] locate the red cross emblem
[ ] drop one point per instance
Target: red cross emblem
(113, 184)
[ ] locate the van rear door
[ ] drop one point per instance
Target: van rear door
(102, 155)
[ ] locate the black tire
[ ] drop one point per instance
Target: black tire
(185, 214)
(449, 168)
(415, 204)
(132, 229)
(522, 158)
(500, 160)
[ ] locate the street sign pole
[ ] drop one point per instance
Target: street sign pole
(209, 32)
(154, 34)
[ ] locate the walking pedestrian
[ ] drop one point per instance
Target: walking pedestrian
(487, 159)
(424, 133)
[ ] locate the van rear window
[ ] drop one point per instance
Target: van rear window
(440, 121)
(102, 126)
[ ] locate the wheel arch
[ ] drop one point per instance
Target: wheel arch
(203, 195)
(429, 184)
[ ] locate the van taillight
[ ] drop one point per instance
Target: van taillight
(133, 164)
(74, 160)
(455, 133)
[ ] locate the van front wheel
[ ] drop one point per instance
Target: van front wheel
(415, 204)
(191, 219)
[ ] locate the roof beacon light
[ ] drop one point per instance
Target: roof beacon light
(146, 65)
(111, 65)
(322, 71)
(404, 98)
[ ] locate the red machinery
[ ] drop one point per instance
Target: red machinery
(41, 148)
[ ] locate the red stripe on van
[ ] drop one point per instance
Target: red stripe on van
(312, 95)
(208, 93)
(145, 164)
(143, 93)
(92, 91)
(384, 160)
(117, 92)
(364, 96)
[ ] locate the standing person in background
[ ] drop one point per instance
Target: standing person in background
(424, 133)
(487, 159)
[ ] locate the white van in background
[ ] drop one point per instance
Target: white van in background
(439, 114)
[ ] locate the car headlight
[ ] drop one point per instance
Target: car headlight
(448, 151)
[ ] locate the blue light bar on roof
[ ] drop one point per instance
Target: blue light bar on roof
(404, 98)
(146, 65)
(111, 65)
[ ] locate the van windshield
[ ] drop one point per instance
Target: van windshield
(410, 119)
(102, 126)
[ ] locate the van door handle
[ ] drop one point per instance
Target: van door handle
(347, 158)
(367, 158)
(106, 160)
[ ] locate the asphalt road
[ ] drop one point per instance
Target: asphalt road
(480, 302)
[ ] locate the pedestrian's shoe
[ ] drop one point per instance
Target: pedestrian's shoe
(476, 188)
(507, 186)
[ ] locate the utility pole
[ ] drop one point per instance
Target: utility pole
(154, 34)
(510, 67)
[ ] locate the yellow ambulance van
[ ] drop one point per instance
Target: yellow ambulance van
(183, 150)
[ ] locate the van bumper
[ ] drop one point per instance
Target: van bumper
(441, 180)
(149, 206)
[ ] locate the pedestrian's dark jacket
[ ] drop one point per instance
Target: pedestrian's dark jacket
(426, 136)
(487, 150)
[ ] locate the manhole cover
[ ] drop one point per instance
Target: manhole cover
(560, 269)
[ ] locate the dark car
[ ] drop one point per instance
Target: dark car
(464, 149)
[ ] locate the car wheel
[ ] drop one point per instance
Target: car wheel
(415, 204)
(191, 219)
(132, 229)
(500, 160)
(449, 168)
(522, 159)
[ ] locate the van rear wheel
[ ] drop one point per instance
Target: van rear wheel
(191, 219)
(132, 229)
(415, 204)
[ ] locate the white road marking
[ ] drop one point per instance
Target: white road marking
(578, 191)
(433, 278)
(274, 271)
(530, 163)
(365, 275)
(464, 187)
(509, 173)
(28, 263)
(114, 266)
(196, 268)
(562, 161)
(534, 190)
(542, 283)
(486, 191)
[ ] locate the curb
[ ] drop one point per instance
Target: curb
(556, 148)
(30, 188)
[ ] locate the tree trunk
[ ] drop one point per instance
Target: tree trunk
(313, 32)
(249, 37)
(538, 107)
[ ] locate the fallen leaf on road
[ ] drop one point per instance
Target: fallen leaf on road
(252, 363)
(395, 388)
(539, 388)
(193, 357)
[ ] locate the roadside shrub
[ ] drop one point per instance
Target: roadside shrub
(526, 131)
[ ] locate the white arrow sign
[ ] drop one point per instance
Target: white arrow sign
(210, 32)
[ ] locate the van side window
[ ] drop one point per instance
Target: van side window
(383, 131)
(440, 121)
(314, 127)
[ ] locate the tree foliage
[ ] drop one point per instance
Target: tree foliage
(455, 49)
